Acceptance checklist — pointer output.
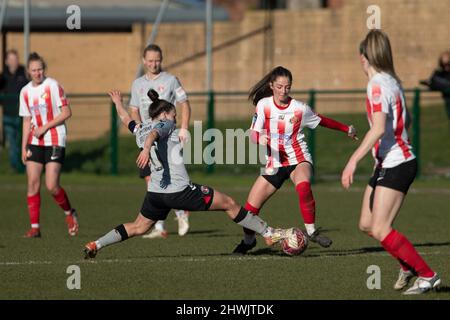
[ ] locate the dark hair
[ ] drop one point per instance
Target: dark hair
(376, 47)
(158, 106)
(262, 88)
(152, 47)
(441, 59)
(34, 56)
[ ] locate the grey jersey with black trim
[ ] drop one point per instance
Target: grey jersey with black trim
(167, 86)
(168, 173)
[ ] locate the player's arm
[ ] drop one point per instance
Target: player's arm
(372, 136)
(185, 118)
(134, 113)
(144, 155)
(26, 128)
(117, 99)
(65, 114)
(336, 125)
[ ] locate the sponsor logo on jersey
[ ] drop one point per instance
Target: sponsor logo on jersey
(161, 88)
(281, 117)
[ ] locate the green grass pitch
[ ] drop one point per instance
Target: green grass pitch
(199, 265)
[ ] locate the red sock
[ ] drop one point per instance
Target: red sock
(62, 200)
(255, 211)
(399, 246)
(307, 203)
(34, 206)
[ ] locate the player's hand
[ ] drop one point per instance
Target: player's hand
(116, 96)
(183, 135)
(39, 131)
(352, 132)
(263, 139)
(347, 174)
(24, 155)
(143, 158)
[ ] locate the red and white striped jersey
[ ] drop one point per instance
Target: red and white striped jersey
(284, 128)
(384, 94)
(43, 103)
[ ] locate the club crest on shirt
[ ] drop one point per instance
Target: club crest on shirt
(44, 95)
(294, 119)
(204, 189)
(161, 88)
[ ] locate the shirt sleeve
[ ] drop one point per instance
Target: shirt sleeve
(58, 95)
(258, 118)
(134, 101)
(23, 105)
(310, 119)
(378, 98)
(180, 93)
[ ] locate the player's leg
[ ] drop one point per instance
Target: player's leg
(52, 182)
(34, 171)
(159, 230)
(241, 216)
(365, 219)
(120, 233)
(386, 206)
(301, 177)
(260, 192)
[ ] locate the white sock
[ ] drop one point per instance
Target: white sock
(179, 213)
(98, 244)
(310, 228)
(35, 225)
(159, 225)
(267, 233)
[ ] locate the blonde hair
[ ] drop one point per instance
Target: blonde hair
(376, 47)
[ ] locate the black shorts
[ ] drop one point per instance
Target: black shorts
(46, 154)
(281, 175)
(195, 197)
(144, 172)
(398, 178)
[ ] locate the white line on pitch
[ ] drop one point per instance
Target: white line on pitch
(196, 259)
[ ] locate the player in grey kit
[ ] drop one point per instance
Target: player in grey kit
(169, 89)
(170, 186)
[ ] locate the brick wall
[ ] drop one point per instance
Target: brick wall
(320, 47)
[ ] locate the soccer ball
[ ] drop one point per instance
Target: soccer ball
(296, 243)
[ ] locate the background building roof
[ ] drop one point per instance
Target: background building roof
(107, 15)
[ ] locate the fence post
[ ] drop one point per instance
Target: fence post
(114, 140)
(312, 133)
(211, 124)
(416, 128)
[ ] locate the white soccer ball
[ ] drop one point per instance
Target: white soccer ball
(296, 243)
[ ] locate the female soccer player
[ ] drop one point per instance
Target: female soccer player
(170, 187)
(395, 163)
(44, 108)
(278, 123)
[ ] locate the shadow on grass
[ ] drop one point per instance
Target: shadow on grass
(443, 289)
(366, 250)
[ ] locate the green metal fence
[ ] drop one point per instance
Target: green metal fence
(211, 98)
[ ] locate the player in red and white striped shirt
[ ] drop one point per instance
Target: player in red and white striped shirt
(44, 108)
(278, 123)
(395, 163)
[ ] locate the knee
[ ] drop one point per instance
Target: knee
(33, 186)
(364, 227)
(52, 188)
(230, 203)
(380, 232)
